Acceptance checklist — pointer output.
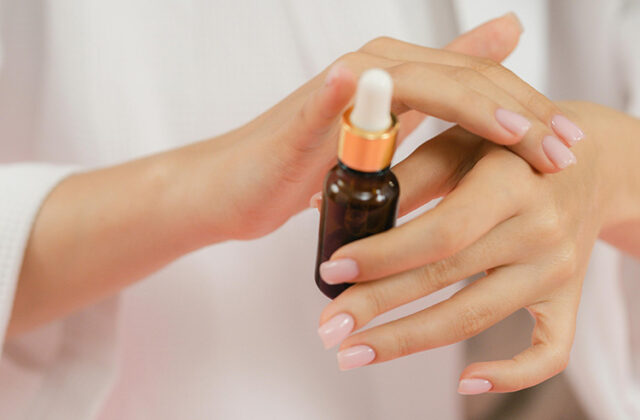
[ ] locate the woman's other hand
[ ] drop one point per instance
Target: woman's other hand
(531, 233)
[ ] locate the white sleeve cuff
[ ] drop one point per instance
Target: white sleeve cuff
(23, 188)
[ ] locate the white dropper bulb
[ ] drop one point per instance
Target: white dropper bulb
(372, 108)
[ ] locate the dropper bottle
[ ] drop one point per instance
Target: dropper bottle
(360, 195)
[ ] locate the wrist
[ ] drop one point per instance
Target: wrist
(195, 193)
(595, 184)
(617, 135)
(612, 136)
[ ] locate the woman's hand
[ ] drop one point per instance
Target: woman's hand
(531, 233)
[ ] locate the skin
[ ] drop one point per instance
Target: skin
(531, 232)
(102, 230)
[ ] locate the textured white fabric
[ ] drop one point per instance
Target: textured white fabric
(229, 331)
(23, 187)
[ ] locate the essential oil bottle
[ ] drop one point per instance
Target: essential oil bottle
(360, 194)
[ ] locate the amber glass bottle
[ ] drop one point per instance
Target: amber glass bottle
(360, 195)
(355, 205)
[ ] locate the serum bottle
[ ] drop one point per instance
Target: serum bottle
(360, 194)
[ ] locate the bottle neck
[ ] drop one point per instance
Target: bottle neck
(356, 172)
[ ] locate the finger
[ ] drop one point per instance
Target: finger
(495, 39)
(534, 133)
(549, 354)
(539, 105)
(323, 109)
(435, 167)
(403, 51)
(365, 301)
(479, 105)
(409, 121)
(306, 142)
(483, 199)
(467, 313)
(440, 91)
(428, 89)
(434, 89)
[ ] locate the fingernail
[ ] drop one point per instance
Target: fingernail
(316, 201)
(557, 152)
(566, 129)
(332, 75)
(513, 122)
(339, 271)
(354, 357)
(474, 386)
(517, 20)
(335, 330)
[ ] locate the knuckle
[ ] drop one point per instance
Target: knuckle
(508, 196)
(403, 343)
(515, 188)
(473, 320)
(559, 360)
(550, 226)
(374, 299)
(539, 104)
(436, 276)
(304, 114)
(350, 59)
(378, 44)
(405, 69)
(463, 99)
(567, 260)
(515, 194)
(483, 65)
(447, 239)
(467, 101)
(516, 166)
(464, 74)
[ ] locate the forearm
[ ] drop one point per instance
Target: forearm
(99, 231)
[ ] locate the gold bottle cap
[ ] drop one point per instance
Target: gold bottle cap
(366, 151)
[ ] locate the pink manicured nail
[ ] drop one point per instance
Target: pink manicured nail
(355, 357)
(335, 330)
(333, 73)
(474, 386)
(316, 201)
(513, 122)
(339, 271)
(566, 129)
(557, 152)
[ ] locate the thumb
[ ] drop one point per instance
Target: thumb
(495, 39)
(323, 108)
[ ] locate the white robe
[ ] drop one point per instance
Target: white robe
(229, 331)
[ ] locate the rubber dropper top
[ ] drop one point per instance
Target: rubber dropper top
(369, 129)
(372, 108)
